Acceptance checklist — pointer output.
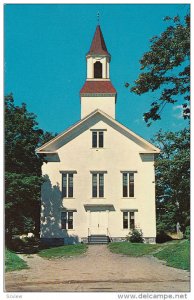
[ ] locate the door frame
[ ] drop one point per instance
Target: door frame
(99, 224)
(99, 229)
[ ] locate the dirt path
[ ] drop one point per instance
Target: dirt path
(98, 270)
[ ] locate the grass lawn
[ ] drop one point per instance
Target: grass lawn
(176, 253)
(132, 249)
(13, 262)
(63, 251)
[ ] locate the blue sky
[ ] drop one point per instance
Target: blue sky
(45, 66)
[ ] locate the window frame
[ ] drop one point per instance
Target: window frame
(67, 187)
(67, 220)
(130, 219)
(98, 139)
(94, 139)
(128, 184)
(98, 184)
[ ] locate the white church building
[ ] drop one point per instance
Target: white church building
(99, 175)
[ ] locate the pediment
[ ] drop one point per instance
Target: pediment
(88, 122)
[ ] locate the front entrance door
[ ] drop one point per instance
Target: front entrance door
(98, 222)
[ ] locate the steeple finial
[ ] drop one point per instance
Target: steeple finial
(98, 17)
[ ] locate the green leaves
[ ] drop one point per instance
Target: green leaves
(166, 68)
(22, 168)
(22, 137)
(173, 179)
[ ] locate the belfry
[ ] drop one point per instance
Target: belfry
(98, 91)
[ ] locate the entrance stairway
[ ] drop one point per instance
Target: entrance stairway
(98, 239)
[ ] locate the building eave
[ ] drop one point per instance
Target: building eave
(92, 114)
(97, 55)
(150, 152)
(97, 95)
(47, 152)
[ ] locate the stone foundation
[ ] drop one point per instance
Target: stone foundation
(118, 239)
(74, 240)
(149, 240)
(84, 240)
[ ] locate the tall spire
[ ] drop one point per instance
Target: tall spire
(98, 45)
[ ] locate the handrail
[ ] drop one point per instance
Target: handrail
(108, 234)
(88, 234)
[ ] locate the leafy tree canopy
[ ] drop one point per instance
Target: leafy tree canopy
(166, 69)
(173, 180)
(22, 168)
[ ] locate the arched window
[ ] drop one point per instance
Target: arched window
(97, 70)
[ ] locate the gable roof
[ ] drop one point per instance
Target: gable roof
(98, 87)
(47, 147)
(98, 45)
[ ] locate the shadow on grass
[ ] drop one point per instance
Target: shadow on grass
(29, 245)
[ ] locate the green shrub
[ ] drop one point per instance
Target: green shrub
(187, 233)
(136, 236)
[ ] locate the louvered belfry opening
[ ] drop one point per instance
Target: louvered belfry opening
(97, 69)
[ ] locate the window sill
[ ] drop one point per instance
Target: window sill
(128, 198)
(98, 148)
(94, 198)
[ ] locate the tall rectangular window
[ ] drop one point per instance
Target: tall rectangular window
(94, 185)
(70, 220)
(94, 139)
(132, 220)
(67, 185)
(64, 220)
(128, 219)
(97, 139)
(128, 184)
(125, 220)
(70, 185)
(101, 185)
(64, 185)
(101, 139)
(131, 184)
(125, 185)
(67, 220)
(97, 185)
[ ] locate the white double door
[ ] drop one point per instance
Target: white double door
(98, 222)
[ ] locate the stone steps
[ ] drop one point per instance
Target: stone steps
(98, 239)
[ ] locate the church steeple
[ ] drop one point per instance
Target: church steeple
(98, 91)
(98, 58)
(98, 45)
